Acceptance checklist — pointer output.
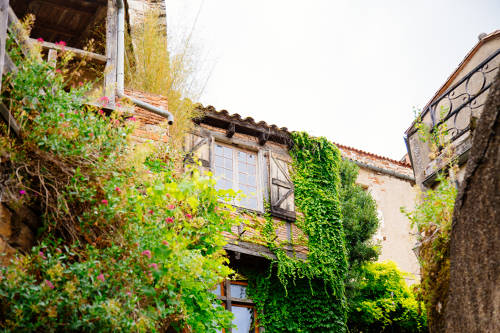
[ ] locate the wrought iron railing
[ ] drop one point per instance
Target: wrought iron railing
(465, 99)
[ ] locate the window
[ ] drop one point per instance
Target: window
(237, 169)
(234, 296)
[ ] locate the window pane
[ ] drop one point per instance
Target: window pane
(228, 152)
(251, 159)
(251, 169)
(243, 319)
(228, 163)
(219, 161)
(219, 150)
(242, 167)
(238, 290)
(217, 290)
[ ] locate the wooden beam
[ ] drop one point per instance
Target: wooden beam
(78, 52)
(263, 137)
(9, 65)
(4, 21)
(76, 6)
(9, 119)
(52, 57)
(111, 52)
(231, 129)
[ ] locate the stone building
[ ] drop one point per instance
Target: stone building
(457, 104)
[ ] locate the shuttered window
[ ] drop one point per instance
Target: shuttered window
(237, 169)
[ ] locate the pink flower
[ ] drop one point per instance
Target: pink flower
(39, 40)
(42, 255)
(80, 83)
(169, 220)
(61, 43)
(132, 118)
(104, 100)
(22, 192)
(61, 115)
(154, 266)
(129, 293)
(101, 112)
(49, 284)
(101, 277)
(117, 189)
(189, 216)
(147, 253)
(104, 201)
(164, 242)
(151, 211)
(171, 207)
(58, 70)
(118, 105)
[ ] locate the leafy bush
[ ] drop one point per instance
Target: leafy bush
(384, 303)
(128, 244)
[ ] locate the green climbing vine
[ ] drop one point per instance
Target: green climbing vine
(307, 295)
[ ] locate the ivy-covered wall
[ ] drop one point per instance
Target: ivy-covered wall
(308, 296)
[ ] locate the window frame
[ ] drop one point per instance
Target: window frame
(259, 173)
(228, 300)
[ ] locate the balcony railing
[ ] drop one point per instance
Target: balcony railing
(464, 100)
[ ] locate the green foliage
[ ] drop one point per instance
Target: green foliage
(359, 217)
(308, 296)
(129, 245)
(384, 303)
(433, 216)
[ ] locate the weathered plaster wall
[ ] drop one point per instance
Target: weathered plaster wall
(394, 234)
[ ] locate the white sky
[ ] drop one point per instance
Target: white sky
(351, 71)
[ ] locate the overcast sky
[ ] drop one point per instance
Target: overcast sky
(351, 71)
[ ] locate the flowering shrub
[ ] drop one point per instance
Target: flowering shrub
(126, 244)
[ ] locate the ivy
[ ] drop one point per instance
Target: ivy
(308, 295)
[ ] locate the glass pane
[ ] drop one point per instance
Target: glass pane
(228, 174)
(242, 167)
(241, 156)
(251, 158)
(243, 179)
(243, 319)
(219, 161)
(238, 290)
(252, 180)
(251, 169)
(217, 290)
(219, 150)
(228, 152)
(219, 171)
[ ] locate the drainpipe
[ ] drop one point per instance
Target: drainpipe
(120, 68)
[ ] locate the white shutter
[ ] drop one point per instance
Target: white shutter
(281, 188)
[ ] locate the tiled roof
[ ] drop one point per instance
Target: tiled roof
(353, 153)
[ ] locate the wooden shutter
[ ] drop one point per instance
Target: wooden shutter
(281, 188)
(198, 146)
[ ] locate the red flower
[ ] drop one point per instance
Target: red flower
(171, 207)
(132, 118)
(49, 284)
(58, 70)
(164, 242)
(61, 43)
(169, 220)
(39, 40)
(104, 201)
(151, 211)
(22, 192)
(61, 115)
(101, 112)
(117, 189)
(147, 253)
(101, 277)
(104, 100)
(189, 216)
